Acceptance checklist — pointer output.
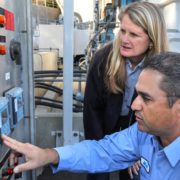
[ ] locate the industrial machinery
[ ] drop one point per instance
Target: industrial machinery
(16, 92)
(105, 27)
(44, 63)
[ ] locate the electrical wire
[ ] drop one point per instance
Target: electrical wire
(56, 104)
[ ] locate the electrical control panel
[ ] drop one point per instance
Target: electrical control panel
(16, 105)
(6, 24)
(4, 116)
(3, 49)
(15, 78)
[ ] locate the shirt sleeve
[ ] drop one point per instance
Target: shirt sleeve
(114, 152)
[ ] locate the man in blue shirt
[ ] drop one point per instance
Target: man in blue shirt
(154, 139)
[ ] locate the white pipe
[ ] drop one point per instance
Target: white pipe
(68, 70)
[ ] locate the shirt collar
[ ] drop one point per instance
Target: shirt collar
(172, 152)
(139, 65)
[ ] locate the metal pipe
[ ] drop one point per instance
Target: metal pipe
(68, 70)
(167, 2)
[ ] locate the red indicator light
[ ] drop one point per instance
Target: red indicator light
(2, 20)
(2, 50)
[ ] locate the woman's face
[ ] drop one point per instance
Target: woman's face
(134, 41)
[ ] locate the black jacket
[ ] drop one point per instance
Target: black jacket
(101, 108)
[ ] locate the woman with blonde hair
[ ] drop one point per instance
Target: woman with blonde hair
(115, 69)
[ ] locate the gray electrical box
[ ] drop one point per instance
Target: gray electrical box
(16, 105)
(4, 116)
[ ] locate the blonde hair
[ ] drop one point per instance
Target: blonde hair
(149, 17)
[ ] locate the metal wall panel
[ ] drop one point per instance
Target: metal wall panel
(14, 74)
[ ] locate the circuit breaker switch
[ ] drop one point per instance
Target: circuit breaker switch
(3, 50)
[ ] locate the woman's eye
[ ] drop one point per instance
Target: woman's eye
(133, 34)
(123, 31)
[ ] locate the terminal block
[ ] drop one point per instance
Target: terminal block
(16, 105)
(4, 116)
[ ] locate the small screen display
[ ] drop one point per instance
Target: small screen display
(3, 39)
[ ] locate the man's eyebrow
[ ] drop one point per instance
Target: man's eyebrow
(144, 94)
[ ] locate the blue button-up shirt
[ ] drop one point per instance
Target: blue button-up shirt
(120, 150)
(132, 77)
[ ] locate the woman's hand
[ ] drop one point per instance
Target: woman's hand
(134, 169)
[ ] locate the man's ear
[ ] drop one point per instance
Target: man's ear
(177, 103)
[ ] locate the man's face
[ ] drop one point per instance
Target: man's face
(152, 111)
